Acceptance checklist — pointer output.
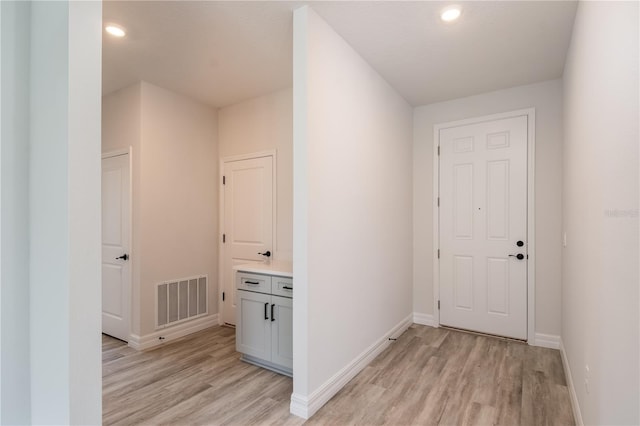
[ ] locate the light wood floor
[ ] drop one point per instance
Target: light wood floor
(428, 376)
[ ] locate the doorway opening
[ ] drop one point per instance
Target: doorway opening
(247, 220)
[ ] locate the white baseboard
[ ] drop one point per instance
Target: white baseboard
(306, 407)
(550, 341)
(151, 340)
(299, 406)
(575, 405)
(424, 319)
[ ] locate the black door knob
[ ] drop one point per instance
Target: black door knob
(518, 256)
(123, 257)
(520, 243)
(266, 253)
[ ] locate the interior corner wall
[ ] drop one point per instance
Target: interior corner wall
(261, 124)
(600, 308)
(546, 97)
(175, 189)
(14, 202)
(352, 153)
(179, 188)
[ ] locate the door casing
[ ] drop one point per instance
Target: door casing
(530, 113)
(221, 224)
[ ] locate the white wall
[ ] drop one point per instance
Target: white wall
(352, 186)
(600, 323)
(546, 97)
(261, 124)
(175, 189)
(64, 207)
(179, 188)
(14, 225)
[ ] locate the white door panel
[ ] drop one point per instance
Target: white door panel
(248, 220)
(483, 214)
(116, 285)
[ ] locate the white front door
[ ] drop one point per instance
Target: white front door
(248, 221)
(483, 227)
(116, 278)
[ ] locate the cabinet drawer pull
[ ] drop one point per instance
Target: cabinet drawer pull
(252, 282)
(273, 318)
(266, 315)
(287, 288)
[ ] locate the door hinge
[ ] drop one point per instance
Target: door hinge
(438, 149)
(224, 238)
(224, 180)
(438, 201)
(438, 253)
(438, 305)
(223, 296)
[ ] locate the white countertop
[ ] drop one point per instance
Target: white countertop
(277, 267)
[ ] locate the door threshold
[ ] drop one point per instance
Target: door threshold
(478, 333)
(116, 338)
(226, 324)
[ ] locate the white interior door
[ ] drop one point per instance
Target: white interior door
(248, 221)
(116, 276)
(483, 227)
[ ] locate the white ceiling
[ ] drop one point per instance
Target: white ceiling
(225, 52)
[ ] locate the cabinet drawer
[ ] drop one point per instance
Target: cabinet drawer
(253, 282)
(282, 286)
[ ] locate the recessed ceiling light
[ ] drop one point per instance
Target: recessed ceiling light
(450, 13)
(115, 30)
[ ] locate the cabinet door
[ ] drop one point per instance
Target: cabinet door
(282, 331)
(253, 328)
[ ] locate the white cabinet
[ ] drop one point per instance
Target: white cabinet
(253, 328)
(264, 320)
(282, 331)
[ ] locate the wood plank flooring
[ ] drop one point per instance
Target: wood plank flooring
(429, 376)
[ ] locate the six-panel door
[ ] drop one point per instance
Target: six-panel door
(483, 216)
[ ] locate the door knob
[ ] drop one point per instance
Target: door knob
(520, 243)
(266, 253)
(123, 257)
(518, 256)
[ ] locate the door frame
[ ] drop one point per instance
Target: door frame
(110, 154)
(221, 246)
(530, 113)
